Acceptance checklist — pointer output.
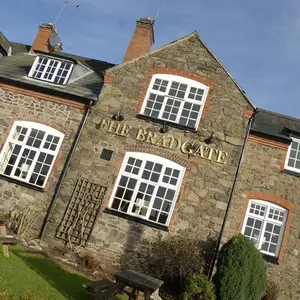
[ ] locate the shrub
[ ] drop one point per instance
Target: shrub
(87, 260)
(241, 271)
(273, 291)
(199, 287)
(59, 249)
(171, 260)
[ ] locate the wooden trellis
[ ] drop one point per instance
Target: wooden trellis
(81, 213)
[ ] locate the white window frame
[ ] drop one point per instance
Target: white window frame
(30, 125)
(156, 159)
(286, 166)
(265, 219)
(183, 80)
(35, 64)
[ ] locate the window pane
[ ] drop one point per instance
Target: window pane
(178, 89)
(40, 181)
(293, 153)
(291, 163)
(153, 105)
(189, 114)
(142, 201)
(196, 94)
(153, 215)
(160, 85)
(294, 145)
(252, 229)
(163, 218)
(62, 73)
(171, 109)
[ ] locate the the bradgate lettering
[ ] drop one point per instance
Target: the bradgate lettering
(115, 127)
(166, 141)
(162, 140)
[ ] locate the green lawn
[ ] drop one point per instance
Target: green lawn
(25, 273)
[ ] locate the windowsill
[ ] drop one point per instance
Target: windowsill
(270, 259)
(171, 124)
(135, 219)
(290, 172)
(45, 81)
(22, 183)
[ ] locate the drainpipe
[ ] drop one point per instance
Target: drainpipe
(217, 248)
(64, 171)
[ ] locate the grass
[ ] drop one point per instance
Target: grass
(25, 273)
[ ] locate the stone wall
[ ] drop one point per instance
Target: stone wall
(206, 186)
(20, 107)
(262, 178)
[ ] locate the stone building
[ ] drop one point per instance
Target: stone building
(159, 152)
(266, 206)
(170, 147)
(45, 98)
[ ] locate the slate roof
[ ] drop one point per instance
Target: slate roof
(4, 43)
(275, 125)
(14, 70)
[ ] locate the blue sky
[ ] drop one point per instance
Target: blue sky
(258, 41)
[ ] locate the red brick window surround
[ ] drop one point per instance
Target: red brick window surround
(147, 187)
(175, 97)
(266, 223)
(29, 152)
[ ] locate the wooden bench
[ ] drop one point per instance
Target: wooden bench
(6, 240)
(95, 287)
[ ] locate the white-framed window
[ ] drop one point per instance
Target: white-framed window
(51, 70)
(175, 99)
(292, 161)
(264, 225)
(29, 152)
(147, 187)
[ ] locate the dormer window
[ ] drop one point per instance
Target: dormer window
(51, 70)
(175, 99)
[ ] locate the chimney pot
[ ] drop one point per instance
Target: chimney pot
(142, 39)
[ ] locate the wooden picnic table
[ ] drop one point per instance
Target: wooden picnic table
(134, 280)
(5, 239)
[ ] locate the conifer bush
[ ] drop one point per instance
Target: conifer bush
(241, 271)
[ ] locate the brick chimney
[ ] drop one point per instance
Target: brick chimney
(41, 41)
(142, 40)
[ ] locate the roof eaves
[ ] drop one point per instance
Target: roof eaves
(276, 137)
(56, 55)
(278, 114)
(46, 90)
(227, 72)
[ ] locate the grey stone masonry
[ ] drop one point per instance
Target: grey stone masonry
(263, 178)
(17, 106)
(204, 193)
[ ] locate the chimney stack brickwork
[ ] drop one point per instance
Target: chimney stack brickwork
(142, 40)
(41, 41)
